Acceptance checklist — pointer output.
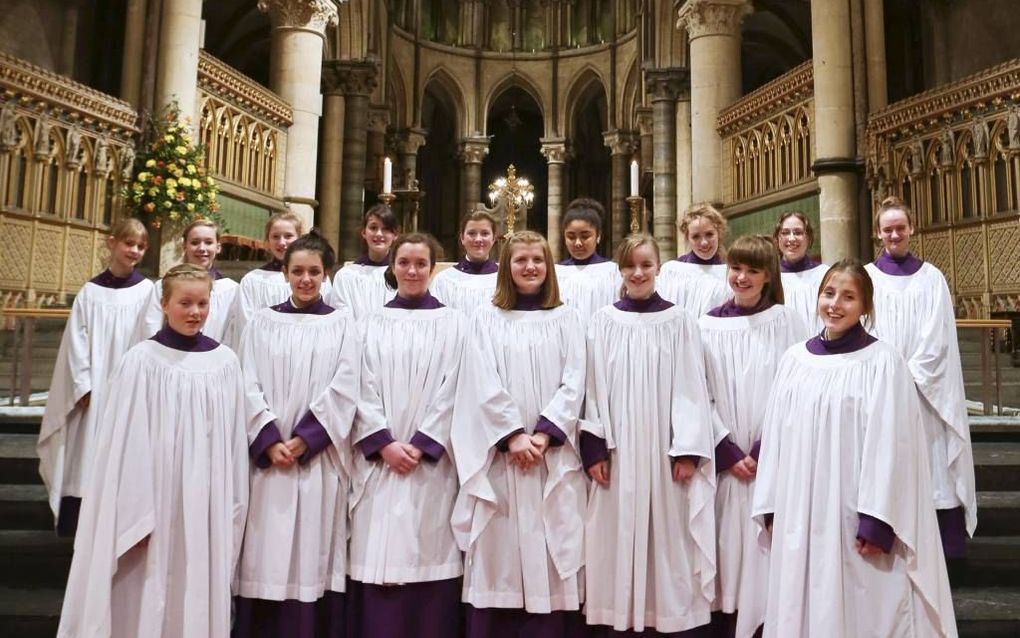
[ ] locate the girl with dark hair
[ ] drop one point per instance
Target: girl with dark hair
(360, 285)
(794, 236)
(588, 281)
(696, 280)
(470, 283)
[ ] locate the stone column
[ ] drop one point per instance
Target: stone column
(837, 162)
(665, 86)
(378, 121)
(684, 158)
(472, 23)
(713, 28)
(644, 123)
(295, 73)
(69, 39)
(180, 32)
(355, 81)
(331, 166)
(472, 151)
(622, 145)
(134, 53)
(405, 144)
(555, 151)
(874, 34)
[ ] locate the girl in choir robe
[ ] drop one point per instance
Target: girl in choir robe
(201, 246)
(519, 516)
(405, 566)
(300, 360)
(647, 443)
(587, 280)
(164, 510)
(743, 340)
(914, 313)
(99, 331)
(801, 273)
(696, 281)
(360, 285)
(843, 490)
(471, 282)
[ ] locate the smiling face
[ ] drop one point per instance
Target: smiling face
(703, 238)
(746, 284)
(639, 274)
(125, 253)
(201, 247)
(188, 307)
(412, 267)
(378, 238)
(793, 239)
(477, 239)
(894, 231)
(280, 235)
(305, 273)
(581, 239)
(528, 268)
(840, 304)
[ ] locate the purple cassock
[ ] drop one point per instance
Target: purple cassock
(692, 258)
(594, 258)
(798, 266)
(486, 267)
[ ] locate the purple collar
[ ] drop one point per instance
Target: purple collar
(529, 302)
(486, 267)
(365, 260)
(106, 279)
(273, 265)
(317, 307)
(170, 338)
(691, 258)
(804, 264)
(898, 267)
(857, 338)
(595, 258)
(731, 309)
(215, 274)
(655, 303)
(425, 302)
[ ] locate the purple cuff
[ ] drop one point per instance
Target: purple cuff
(503, 445)
(556, 435)
(876, 532)
(727, 454)
(593, 450)
(429, 447)
(755, 450)
(267, 438)
(690, 457)
(314, 435)
(953, 529)
(373, 444)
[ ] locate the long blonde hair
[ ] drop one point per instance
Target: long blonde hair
(506, 291)
(625, 251)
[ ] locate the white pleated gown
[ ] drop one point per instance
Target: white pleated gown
(361, 289)
(295, 545)
(400, 525)
(741, 358)
(694, 287)
(800, 292)
(842, 437)
(464, 291)
(260, 289)
(221, 302)
(586, 289)
(915, 314)
(649, 541)
(100, 329)
(171, 464)
(518, 366)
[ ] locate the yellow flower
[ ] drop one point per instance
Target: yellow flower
(168, 138)
(199, 197)
(191, 207)
(152, 192)
(191, 169)
(171, 184)
(168, 204)
(185, 182)
(209, 181)
(181, 150)
(174, 216)
(143, 177)
(150, 164)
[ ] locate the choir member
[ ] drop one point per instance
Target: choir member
(164, 510)
(801, 273)
(743, 340)
(471, 282)
(647, 443)
(843, 489)
(293, 564)
(100, 329)
(520, 514)
(201, 246)
(405, 566)
(696, 280)
(360, 285)
(587, 280)
(914, 312)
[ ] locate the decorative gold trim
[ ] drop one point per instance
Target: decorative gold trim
(227, 83)
(795, 86)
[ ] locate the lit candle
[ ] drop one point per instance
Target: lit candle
(633, 178)
(387, 179)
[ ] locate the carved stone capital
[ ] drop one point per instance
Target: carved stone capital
(350, 77)
(474, 149)
(621, 142)
(310, 15)
(555, 149)
(406, 141)
(713, 17)
(668, 84)
(378, 119)
(645, 119)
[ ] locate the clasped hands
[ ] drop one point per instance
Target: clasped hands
(527, 450)
(683, 470)
(402, 458)
(745, 469)
(284, 454)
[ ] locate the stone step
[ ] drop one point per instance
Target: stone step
(997, 466)
(994, 428)
(998, 513)
(992, 561)
(20, 420)
(30, 612)
(19, 463)
(987, 612)
(34, 558)
(25, 507)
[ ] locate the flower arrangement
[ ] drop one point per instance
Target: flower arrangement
(170, 182)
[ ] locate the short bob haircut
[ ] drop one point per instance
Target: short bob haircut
(435, 253)
(506, 291)
(809, 230)
(855, 268)
(759, 252)
(625, 252)
(313, 242)
(182, 273)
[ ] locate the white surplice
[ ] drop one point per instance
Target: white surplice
(171, 465)
(588, 288)
(843, 437)
(400, 525)
(522, 532)
(741, 358)
(915, 314)
(295, 545)
(100, 329)
(221, 302)
(694, 287)
(800, 292)
(260, 289)
(361, 288)
(649, 540)
(462, 290)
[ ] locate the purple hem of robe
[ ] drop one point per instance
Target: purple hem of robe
(595, 258)
(503, 445)
(856, 338)
(556, 436)
(755, 450)
(373, 444)
(486, 267)
(875, 531)
(317, 307)
(692, 258)
(365, 260)
(725, 626)
(953, 530)
(429, 609)
(602, 631)
(497, 622)
(324, 618)
(425, 302)
(215, 274)
(273, 265)
(107, 279)
(67, 516)
(804, 264)
(430, 448)
(898, 266)
(170, 338)
(727, 454)
(310, 429)
(529, 302)
(731, 309)
(268, 436)
(654, 303)
(593, 450)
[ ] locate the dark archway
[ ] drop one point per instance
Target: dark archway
(774, 39)
(590, 170)
(438, 169)
(515, 126)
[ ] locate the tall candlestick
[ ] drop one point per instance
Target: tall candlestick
(633, 178)
(387, 179)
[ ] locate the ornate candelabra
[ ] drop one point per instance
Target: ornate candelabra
(516, 193)
(637, 213)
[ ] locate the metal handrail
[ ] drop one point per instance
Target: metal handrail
(991, 393)
(24, 335)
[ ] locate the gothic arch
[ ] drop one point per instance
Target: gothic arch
(585, 84)
(446, 87)
(396, 97)
(523, 82)
(630, 98)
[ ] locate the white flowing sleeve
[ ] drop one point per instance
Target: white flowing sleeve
(336, 407)
(692, 427)
(596, 409)
(564, 408)
(370, 417)
(438, 419)
(764, 501)
(150, 319)
(258, 412)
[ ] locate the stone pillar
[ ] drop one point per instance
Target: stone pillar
(622, 145)
(555, 151)
(837, 163)
(134, 53)
(405, 144)
(665, 86)
(472, 23)
(295, 73)
(331, 167)
(472, 151)
(180, 32)
(69, 39)
(713, 28)
(684, 157)
(355, 81)
(644, 122)
(874, 34)
(378, 120)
